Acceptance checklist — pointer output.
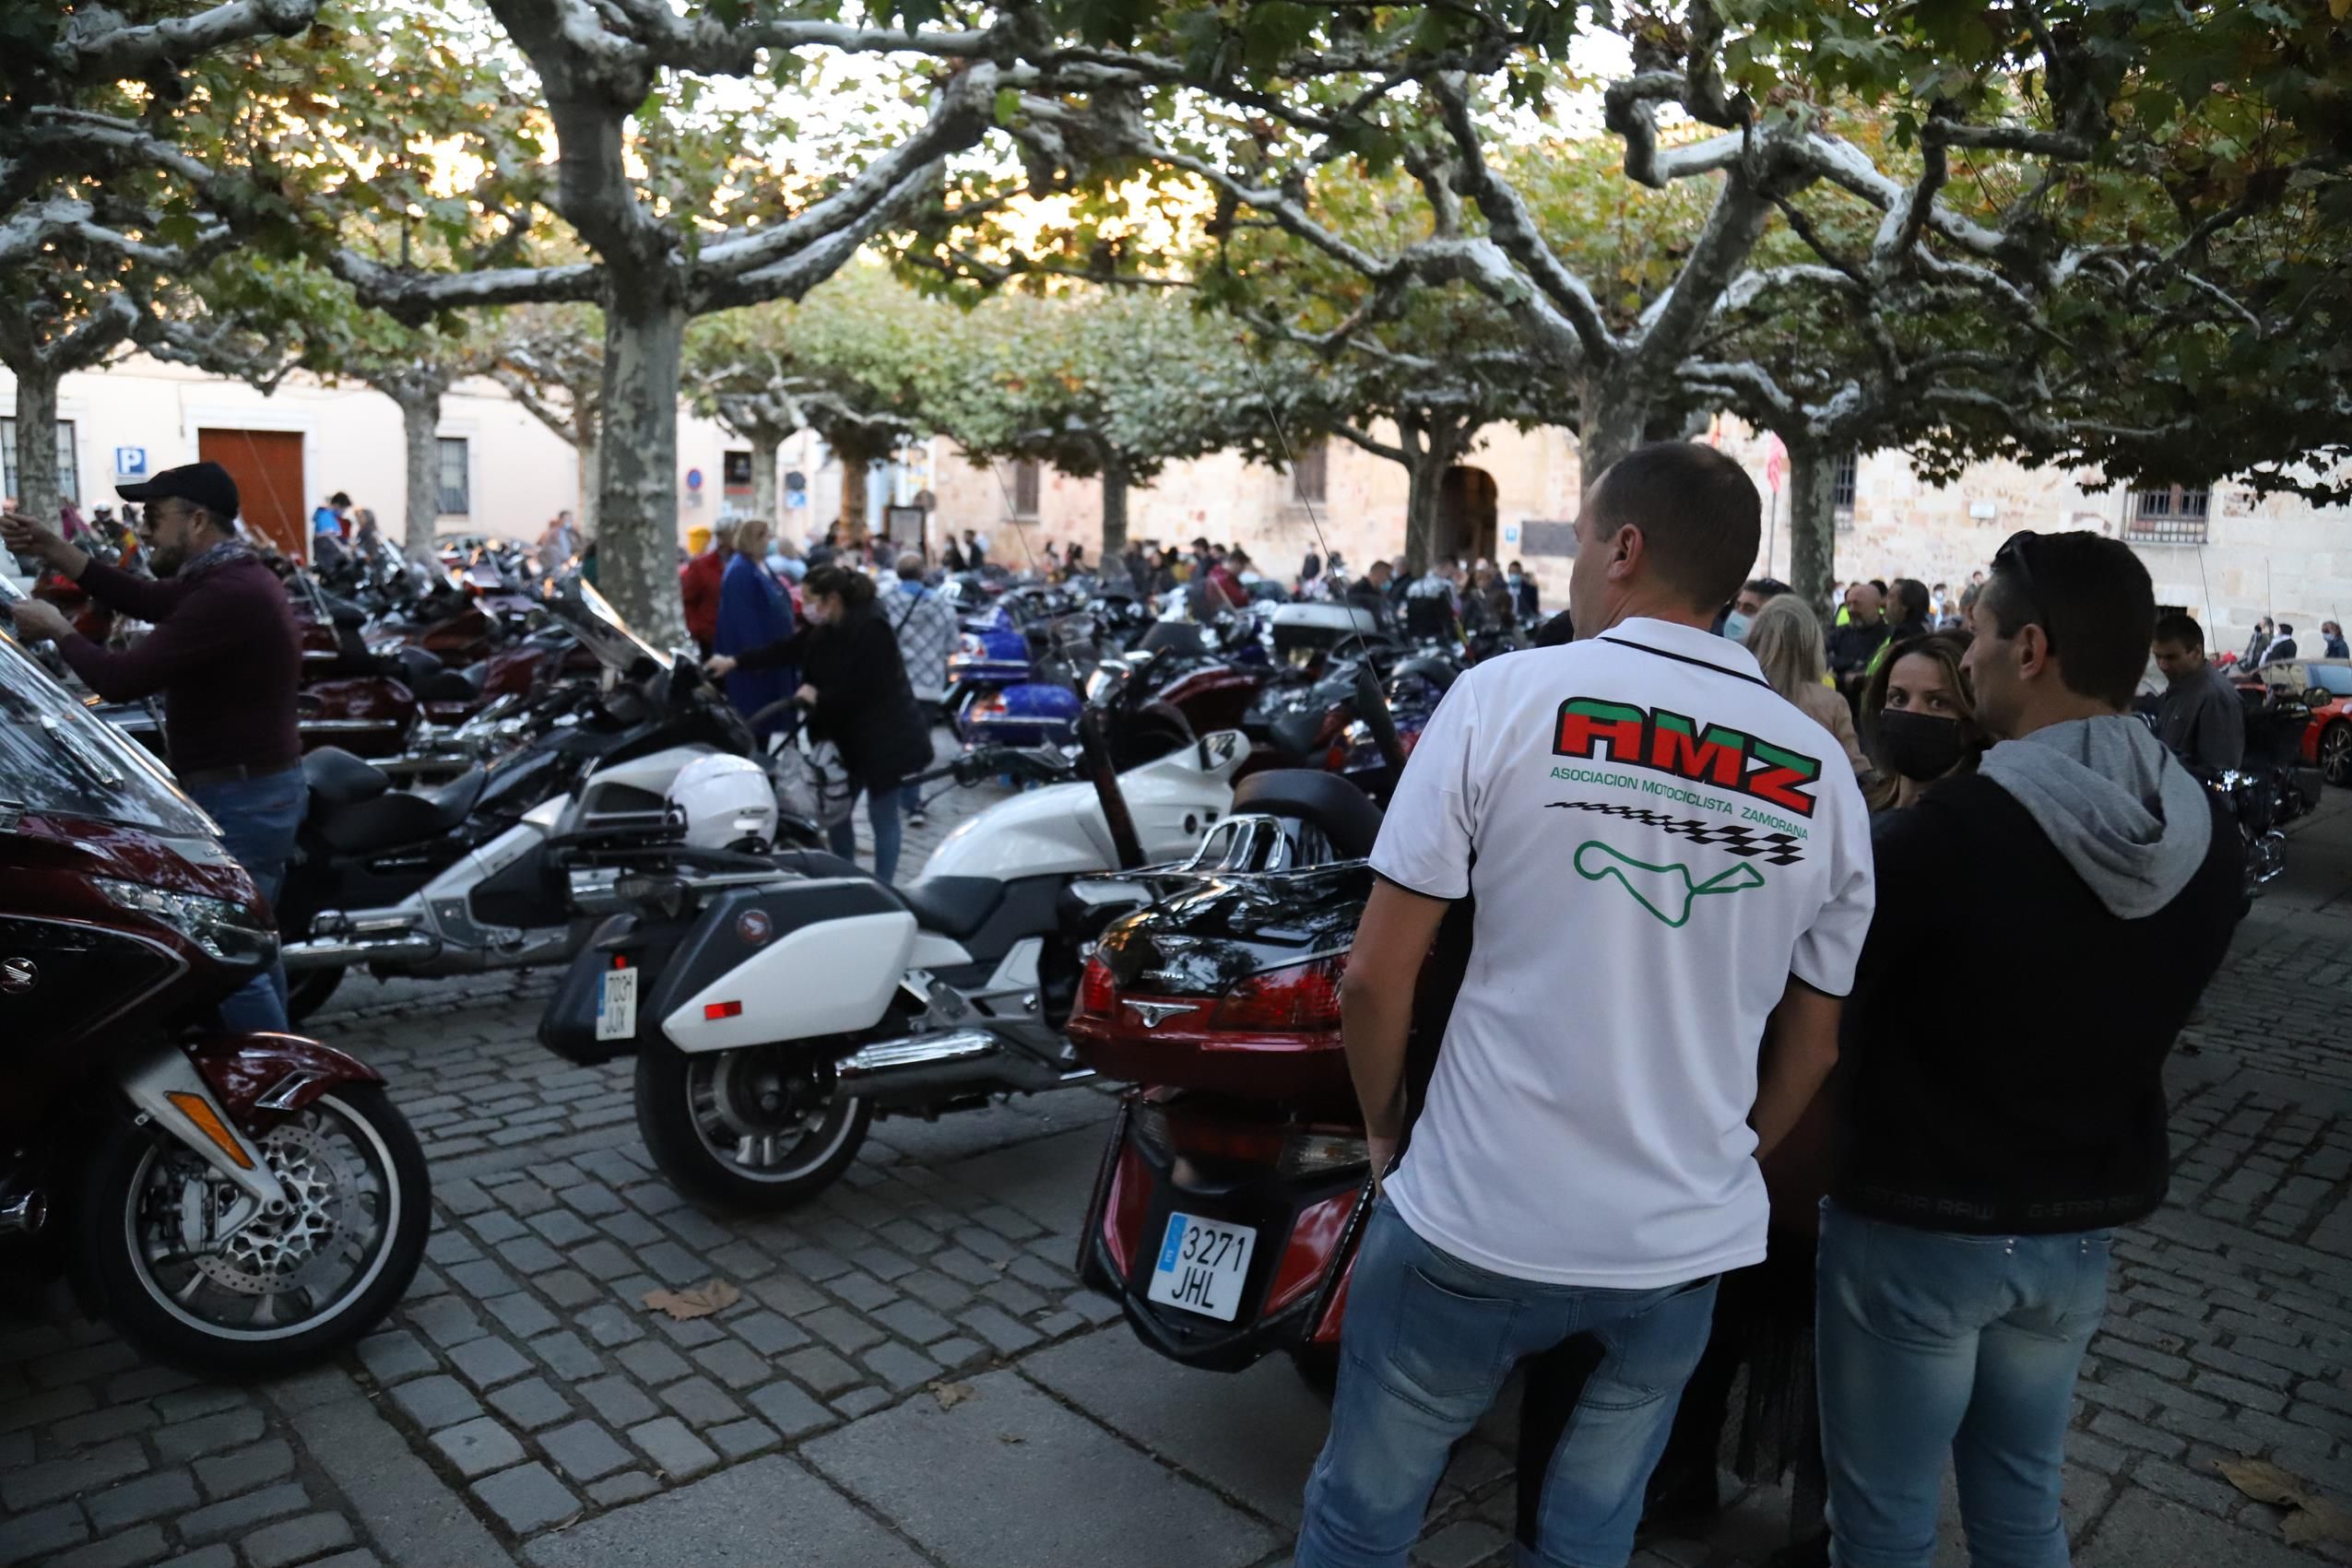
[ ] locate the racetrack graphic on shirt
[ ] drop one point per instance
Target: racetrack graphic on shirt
(1667, 891)
(1776, 849)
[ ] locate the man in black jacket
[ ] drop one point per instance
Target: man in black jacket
(1964, 1250)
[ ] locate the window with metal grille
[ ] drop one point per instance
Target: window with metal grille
(1024, 487)
(1307, 476)
(2171, 514)
(455, 497)
(1841, 488)
(69, 485)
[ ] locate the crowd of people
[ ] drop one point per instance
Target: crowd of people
(1719, 1133)
(1725, 1135)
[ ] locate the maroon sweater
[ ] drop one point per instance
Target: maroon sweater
(224, 653)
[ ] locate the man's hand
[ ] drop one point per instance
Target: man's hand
(30, 537)
(37, 619)
(717, 665)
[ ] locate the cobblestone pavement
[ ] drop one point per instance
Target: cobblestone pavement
(913, 1375)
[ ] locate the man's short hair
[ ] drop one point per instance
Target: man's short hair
(2182, 628)
(1698, 512)
(1765, 587)
(338, 498)
(910, 566)
(1879, 583)
(2091, 598)
(2284, 630)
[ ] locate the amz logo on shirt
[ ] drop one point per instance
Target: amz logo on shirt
(1671, 743)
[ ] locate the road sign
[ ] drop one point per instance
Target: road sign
(694, 479)
(796, 500)
(130, 462)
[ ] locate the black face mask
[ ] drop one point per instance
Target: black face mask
(1920, 746)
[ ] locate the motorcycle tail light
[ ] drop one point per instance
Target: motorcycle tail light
(1097, 992)
(1309, 1155)
(1149, 1127)
(1299, 998)
(715, 1010)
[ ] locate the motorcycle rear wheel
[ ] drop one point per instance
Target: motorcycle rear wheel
(308, 990)
(742, 1129)
(363, 1209)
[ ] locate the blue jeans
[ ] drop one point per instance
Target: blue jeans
(1935, 1343)
(888, 820)
(1427, 1343)
(257, 819)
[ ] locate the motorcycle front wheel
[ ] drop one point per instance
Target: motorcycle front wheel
(285, 1291)
(760, 1127)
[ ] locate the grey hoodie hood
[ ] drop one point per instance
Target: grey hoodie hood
(2126, 816)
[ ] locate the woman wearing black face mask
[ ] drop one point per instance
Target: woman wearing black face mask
(1919, 719)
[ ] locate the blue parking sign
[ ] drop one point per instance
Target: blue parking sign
(130, 462)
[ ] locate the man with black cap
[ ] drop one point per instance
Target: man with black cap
(226, 656)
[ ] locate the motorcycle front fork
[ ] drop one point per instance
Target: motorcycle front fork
(167, 1092)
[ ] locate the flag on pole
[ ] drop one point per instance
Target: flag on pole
(1775, 463)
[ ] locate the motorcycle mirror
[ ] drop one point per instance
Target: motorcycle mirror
(2318, 697)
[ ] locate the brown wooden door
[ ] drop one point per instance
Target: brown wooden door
(267, 466)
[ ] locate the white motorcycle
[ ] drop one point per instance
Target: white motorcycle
(776, 1005)
(455, 880)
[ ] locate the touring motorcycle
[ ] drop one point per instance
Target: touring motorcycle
(235, 1204)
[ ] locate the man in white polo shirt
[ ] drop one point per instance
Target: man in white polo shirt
(1672, 876)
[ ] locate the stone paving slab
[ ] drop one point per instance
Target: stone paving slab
(767, 1513)
(1011, 1475)
(1253, 1435)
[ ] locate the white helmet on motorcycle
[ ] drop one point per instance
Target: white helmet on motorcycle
(728, 802)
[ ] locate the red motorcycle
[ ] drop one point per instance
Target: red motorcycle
(234, 1204)
(1237, 1184)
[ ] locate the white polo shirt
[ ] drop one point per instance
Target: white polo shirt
(1657, 841)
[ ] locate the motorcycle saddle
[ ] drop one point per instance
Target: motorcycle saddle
(952, 906)
(397, 817)
(1344, 814)
(337, 778)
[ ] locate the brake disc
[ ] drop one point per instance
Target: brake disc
(267, 1254)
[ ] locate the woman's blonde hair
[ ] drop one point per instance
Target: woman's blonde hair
(733, 535)
(1786, 640)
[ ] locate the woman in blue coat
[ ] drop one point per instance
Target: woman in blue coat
(753, 612)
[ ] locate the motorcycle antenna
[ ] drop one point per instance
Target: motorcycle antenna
(1290, 457)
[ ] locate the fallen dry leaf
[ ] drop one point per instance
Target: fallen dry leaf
(1011, 1437)
(2262, 1481)
(699, 1300)
(2317, 1519)
(951, 1394)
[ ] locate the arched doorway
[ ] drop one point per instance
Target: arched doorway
(1466, 514)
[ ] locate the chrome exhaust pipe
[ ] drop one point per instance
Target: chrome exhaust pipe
(920, 1066)
(341, 952)
(23, 1210)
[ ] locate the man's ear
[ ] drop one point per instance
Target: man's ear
(2035, 657)
(1626, 548)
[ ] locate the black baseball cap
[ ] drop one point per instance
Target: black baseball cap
(206, 483)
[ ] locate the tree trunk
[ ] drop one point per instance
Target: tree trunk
(1614, 420)
(420, 430)
(637, 510)
(855, 468)
(1813, 522)
(1424, 484)
(584, 446)
(1115, 487)
(37, 489)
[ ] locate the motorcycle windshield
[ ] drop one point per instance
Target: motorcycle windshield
(598, 625)
(57, 759)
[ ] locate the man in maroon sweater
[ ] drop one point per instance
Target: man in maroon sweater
(226, 656)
